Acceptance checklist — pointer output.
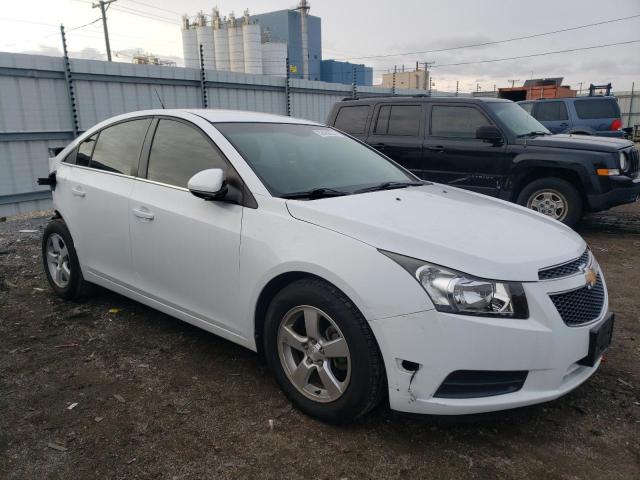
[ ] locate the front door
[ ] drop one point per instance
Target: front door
(453, 155)
(396, 131)
(185, 250)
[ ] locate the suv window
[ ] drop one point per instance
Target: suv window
(456, 121)
(551, 111)
(352, 119)
(85, 150)
(178, 152)
(597, 108)
(402, 120)
(118, 147)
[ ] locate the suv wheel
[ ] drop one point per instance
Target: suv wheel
(61, 261)
(322, 352)
(553, 197)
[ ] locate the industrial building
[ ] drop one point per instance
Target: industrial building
(342, 72)
(260, 44)
(537, 88)
(417, 79)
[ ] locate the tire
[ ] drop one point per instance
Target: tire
(67, 281)
(556, 192)
(360, 375)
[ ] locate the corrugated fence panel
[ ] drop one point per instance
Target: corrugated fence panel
(35, 108)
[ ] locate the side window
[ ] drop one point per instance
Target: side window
(85, 150)
(71, 157)
(597, 108)
(527, 107)
(401, 120)
(551, 111)
(178, 152)
(456, 121)
(352, 119)
(118, 147)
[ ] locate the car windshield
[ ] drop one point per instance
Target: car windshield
(293, 159)
(516, 119)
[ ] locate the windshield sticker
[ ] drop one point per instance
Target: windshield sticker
(327, 133)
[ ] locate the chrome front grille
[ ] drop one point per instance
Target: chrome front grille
(634, 161)
(580, 306)
(565, 269)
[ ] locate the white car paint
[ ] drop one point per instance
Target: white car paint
(208, 262)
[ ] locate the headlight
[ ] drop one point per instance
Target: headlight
(456, 292)
(623, 162)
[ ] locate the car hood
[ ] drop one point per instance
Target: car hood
(465, 231)
(579, 142)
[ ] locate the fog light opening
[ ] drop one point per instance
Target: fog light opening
(410, 366)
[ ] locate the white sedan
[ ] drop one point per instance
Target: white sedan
(355, 279)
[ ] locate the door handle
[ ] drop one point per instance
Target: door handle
(435, 148)
(78, 192)
(143, 214)
(379, 146)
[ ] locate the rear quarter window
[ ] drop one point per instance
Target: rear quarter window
(597, 108)
(352, 119)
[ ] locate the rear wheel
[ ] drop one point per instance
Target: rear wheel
(553, 197)
(61, 261)
(322, 352)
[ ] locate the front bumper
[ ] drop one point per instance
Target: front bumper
(442, 343)
(622, 190)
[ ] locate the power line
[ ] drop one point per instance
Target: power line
(536, 54)
(140, 13)
(496, 41)
(155, 7)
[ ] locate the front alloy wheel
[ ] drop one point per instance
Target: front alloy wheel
(549, 202)
(314, 354)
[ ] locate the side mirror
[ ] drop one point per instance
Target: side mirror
(208, 184)
(489, 133)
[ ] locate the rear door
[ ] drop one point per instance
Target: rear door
(454, 156)
(553, 115)
(185, 250)
(397, 131)
(98, 189)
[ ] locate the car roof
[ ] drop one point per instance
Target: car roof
(569, 99)
(422, 98)
(214, 116)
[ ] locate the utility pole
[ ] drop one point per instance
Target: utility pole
(513, 82)
(102, 4)
(426, 73)
(457, 87)
(580, 90)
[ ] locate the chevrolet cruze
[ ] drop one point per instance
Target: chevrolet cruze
(356, 280)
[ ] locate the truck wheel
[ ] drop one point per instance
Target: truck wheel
(322, 352)
(553, 197)
(61, 262)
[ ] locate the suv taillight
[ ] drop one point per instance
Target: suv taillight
(616, 124)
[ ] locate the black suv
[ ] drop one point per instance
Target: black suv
(493, 146)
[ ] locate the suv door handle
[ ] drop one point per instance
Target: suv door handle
(143, 214)
(78, 192)
(379, 146)
(435, 148)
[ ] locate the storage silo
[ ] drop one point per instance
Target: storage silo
(221, 41)
(189, 44)
(205, 38)
(274, 58)
(236, 47)
(251, 45)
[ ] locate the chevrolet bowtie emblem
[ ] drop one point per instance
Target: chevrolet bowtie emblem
(591, 277)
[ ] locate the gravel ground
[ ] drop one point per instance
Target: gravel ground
(109, 388)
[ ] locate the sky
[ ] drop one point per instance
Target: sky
(352, 29)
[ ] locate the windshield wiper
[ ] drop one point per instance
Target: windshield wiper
(388, 186)
(532, 134)
(321, 192)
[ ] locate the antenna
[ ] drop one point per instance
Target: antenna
(158, 95)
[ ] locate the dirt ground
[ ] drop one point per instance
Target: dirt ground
(109, 388)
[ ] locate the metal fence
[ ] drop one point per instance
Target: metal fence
(629, 107)
(37, 113)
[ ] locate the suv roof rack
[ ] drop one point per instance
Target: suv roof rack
(417, 95)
